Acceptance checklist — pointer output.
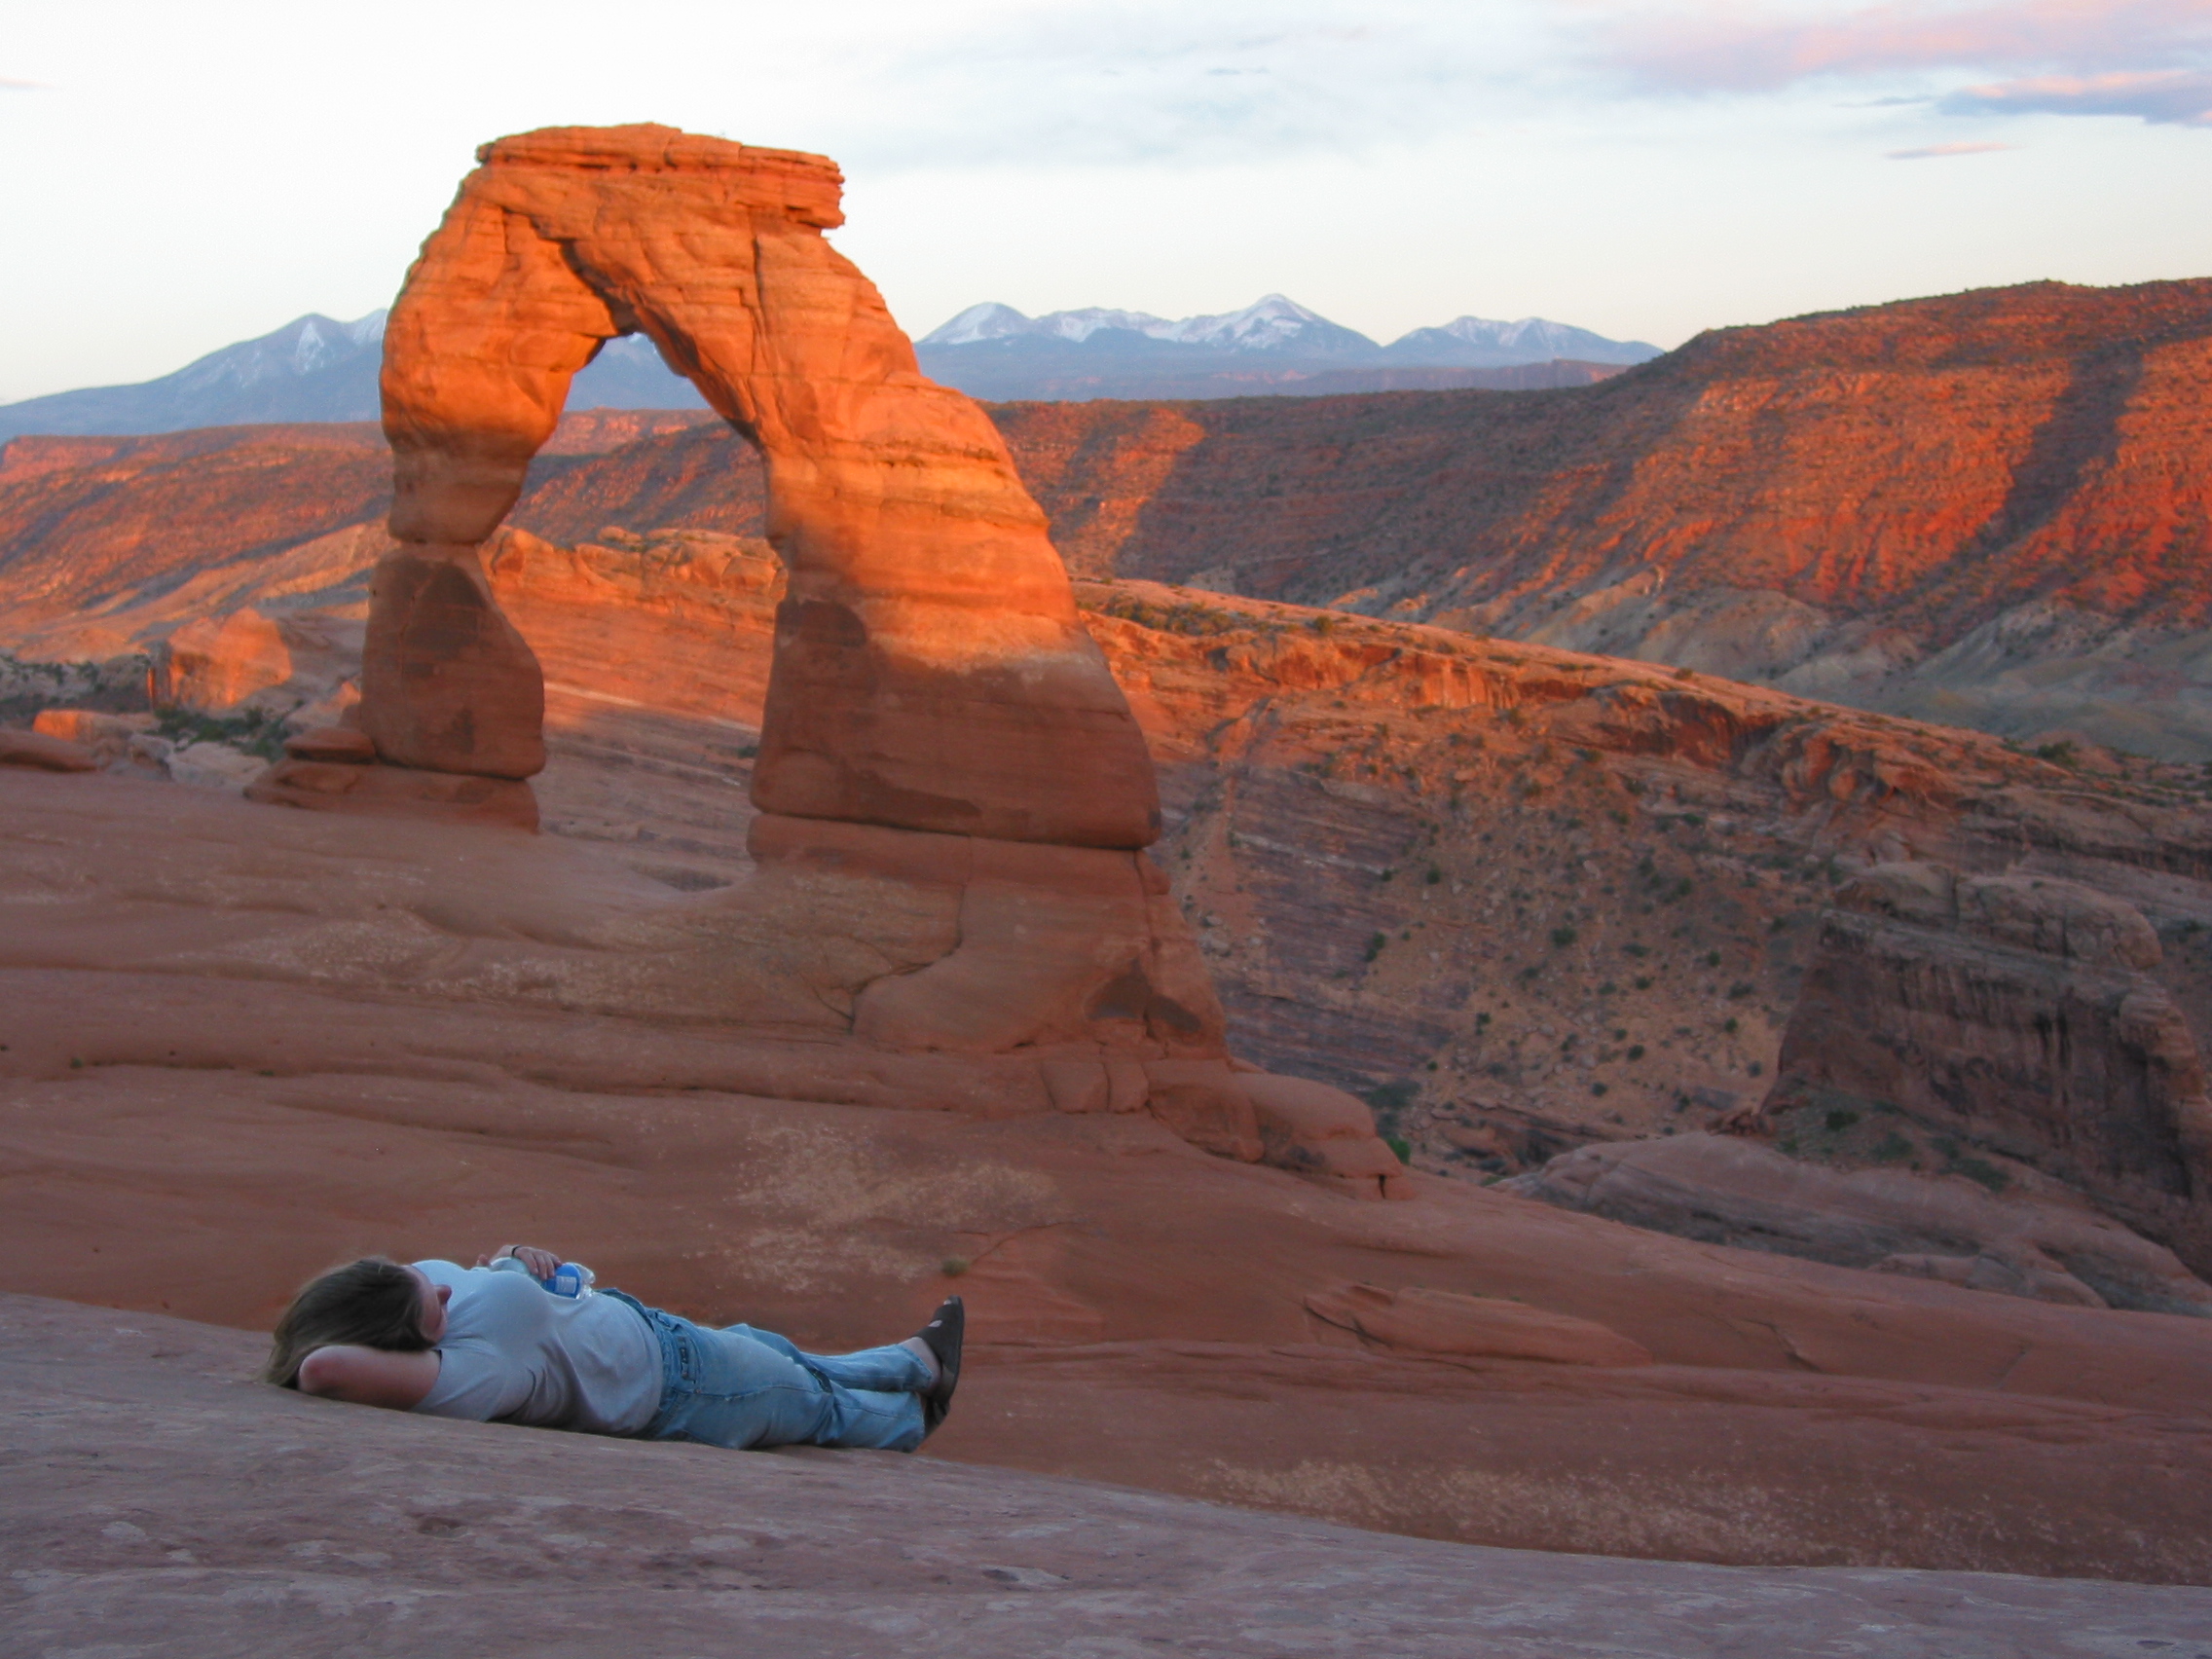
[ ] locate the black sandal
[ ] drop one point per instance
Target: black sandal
(941, 1336)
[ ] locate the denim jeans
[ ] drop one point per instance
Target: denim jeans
(742, 1389)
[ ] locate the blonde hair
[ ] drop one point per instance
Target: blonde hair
(372, 1303)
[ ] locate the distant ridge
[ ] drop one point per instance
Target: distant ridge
(1273, 346)
(317, 368)
(314, 368)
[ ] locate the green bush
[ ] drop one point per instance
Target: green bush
(1890, 1149)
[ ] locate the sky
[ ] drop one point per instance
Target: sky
(179, 175)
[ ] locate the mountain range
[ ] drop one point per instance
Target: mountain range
(1273, 345)
(314, 368)
(317, 368)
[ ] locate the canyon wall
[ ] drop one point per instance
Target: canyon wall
(1989, 509)
(2017, 1012)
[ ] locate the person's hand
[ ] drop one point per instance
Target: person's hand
(541, 1263)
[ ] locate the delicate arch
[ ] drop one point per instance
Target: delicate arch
(931, 671)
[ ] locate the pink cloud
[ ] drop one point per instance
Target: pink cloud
(1736, 47)
(2181, 98)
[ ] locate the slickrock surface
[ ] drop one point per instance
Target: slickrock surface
(158, 1503)
(238, 1044)
(1584, 890)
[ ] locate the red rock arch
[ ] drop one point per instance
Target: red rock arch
(931, 671)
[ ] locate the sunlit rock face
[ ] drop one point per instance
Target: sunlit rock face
(930, 670)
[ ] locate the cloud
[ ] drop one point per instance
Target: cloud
(11, 86)
(2178, 97)
(1112, 82)
(1935, 152)
(1738, 47)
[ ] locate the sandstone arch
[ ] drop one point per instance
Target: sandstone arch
(954, 797)
(930, 671)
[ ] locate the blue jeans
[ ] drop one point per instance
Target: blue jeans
(743, 1389)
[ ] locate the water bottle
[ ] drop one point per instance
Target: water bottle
(571, 1279)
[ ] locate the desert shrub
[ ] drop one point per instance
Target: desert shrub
(1635, 1051)
(1840, 1120)
(1375, 944)
(255, 731)
(1184, 617)
(1890, 1149)
(1977, 1170)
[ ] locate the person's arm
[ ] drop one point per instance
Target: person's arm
(370, 1376)
(542, 1264)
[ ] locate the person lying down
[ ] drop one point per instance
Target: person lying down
(522, 1338)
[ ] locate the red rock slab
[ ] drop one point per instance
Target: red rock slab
(332, 743)
(350, 785)
(142, 1492)
(1794, 1404)
(43, 753)
(1657, 1461)
(1414, 1320)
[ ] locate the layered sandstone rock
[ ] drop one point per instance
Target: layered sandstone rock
(1417, 1320)
(271, 662)
(931, 672)
(2044, 1243)
(40, 752)
(107, 736)
(2017, 1012)
(953, 793)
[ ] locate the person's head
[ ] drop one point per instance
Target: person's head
(372, 1303)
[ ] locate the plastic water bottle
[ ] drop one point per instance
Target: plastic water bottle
(571, 1279)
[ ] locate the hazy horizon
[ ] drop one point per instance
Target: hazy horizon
(1640, 171)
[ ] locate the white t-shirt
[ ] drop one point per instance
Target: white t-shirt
(515, 1352)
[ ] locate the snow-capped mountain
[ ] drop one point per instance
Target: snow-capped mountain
(1274, 344)
(314, 368)
(1479, 342)
(1276, 323)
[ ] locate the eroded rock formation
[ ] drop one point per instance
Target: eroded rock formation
(2044, 1243)
(954, 795)
(2017, 1014)
(930, 670)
